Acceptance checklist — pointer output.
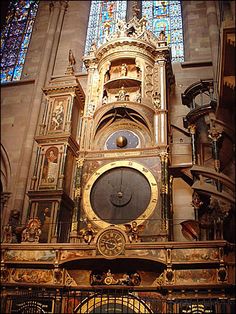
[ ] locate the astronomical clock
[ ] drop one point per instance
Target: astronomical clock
(124, 143)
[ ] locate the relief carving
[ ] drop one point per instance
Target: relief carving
(32, 276)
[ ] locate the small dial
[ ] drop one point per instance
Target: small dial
(122, 139)
(111, 243)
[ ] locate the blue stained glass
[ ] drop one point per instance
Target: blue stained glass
(166, 15)
(15, 38)
(102, 12)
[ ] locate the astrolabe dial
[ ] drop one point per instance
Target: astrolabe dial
(120, 192)
(111, 242)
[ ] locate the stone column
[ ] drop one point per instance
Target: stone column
(33, 116)
(63, 7)
(213, 34)
(163, 109)
(133, 8)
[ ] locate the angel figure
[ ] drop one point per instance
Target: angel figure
(88, 233)
(133, 231)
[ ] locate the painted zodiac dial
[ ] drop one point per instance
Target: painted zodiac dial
(111, 242)
(120, 192)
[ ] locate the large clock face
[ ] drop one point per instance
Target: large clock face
(120, 192)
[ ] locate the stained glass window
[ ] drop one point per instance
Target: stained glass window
(102, 12)
(15, 38)
(167, 16)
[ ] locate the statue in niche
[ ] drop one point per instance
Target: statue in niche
(50, 168)
(57, 116)
(122, 95)
(124, 69)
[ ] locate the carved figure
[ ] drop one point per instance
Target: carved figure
(71, 58)
(162, 36)
(157, 101)
(123, 71)
(12, 232)
(88, 233)
(133, 231)
(122, 94)
(121, 28)
(58, 116)
(32, 231)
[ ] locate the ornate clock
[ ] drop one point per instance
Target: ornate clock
(111, 242)
(120, 192)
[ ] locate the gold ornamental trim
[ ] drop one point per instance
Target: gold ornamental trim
(116, 164)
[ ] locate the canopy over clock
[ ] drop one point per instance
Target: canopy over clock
(120, 192)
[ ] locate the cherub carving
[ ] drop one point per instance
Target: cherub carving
(88, 233)
(133, 231)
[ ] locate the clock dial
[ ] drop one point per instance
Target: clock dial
(111, 242)
(122, 139)
(120, 195)
(120, 192)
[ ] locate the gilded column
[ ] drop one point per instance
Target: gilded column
(164, 193)
(192, 131)
(77, 200)
(214, 135)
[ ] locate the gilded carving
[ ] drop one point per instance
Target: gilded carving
(38, 276)
(195, 255)
(65, 254)
(133, 231)
(195, 276)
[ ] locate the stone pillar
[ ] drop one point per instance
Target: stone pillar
(35, 107)
(163, 109)
(134, 8)
(62, 8)
(213, 34)
(192, 131)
